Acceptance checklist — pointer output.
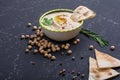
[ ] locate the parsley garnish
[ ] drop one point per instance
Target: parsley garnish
(47, 22)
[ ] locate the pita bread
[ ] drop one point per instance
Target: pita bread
(104, 60)
(100, 74)
(82, 13)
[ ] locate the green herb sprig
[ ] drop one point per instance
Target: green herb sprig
(95, 37)
(47, 22)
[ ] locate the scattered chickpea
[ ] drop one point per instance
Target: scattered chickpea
(48, 45)
(66, 47)
(42, 51)
(34, 27)
(38, 44)
(30, 41)
(37, 33)
(46, 41)
(53, 58)
(91, 47)
(39, 28)
(58, 49)
(73, 58)
(67, 44)
(29, 47)
(22, 36)
(62, 46)
(31, 36)
(49, 50)
(35, 36)
(78, 40)
(49, 56)
(45, 52)
(41, 47)
(75, 42)
(56, 46)
(52, 45)
(63, 70)
(112, 47)
(53, 50)
(29, 24)
(43, 39)
(69, 52)
(74, 77)
(27, 50)
(35, 51)
(27, 36)
(45, 55)
(38, 38)
(45, 46)
(41, 34)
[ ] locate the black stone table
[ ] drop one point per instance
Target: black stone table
(14, 16)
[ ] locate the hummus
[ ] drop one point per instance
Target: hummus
(61, 21)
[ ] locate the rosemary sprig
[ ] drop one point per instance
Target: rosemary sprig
(95, 37)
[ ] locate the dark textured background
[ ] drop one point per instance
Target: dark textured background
(15, 14)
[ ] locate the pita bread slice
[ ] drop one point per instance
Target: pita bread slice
(100, 74)
(104, 60)
(82, 13)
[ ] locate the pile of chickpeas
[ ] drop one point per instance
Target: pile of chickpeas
(39, 44)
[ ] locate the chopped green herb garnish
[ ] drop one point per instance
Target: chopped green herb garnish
(47, 22)
(95, 37)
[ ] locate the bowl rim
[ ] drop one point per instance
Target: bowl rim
(57, 10)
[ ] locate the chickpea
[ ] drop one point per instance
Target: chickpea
(49, 56)
(22, 36)
(29, 47)
(62, 46)
(58, 48)
(29, 24)
(112, 47)
(69, 52)
(30, 41)
(66, 47)
(27, 50)
(34, 27)
(91, 47)
(67, 44)
(27, 36)
(45, 55)
(75, 42)
(78, 40)
(35, 51)
(53, 58)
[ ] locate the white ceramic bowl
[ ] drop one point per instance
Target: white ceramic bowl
(61, 35)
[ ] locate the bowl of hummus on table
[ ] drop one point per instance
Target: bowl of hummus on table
(64, 24)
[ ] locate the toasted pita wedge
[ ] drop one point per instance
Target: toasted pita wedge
(100, 74)
(104, 60)
(82, 13)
